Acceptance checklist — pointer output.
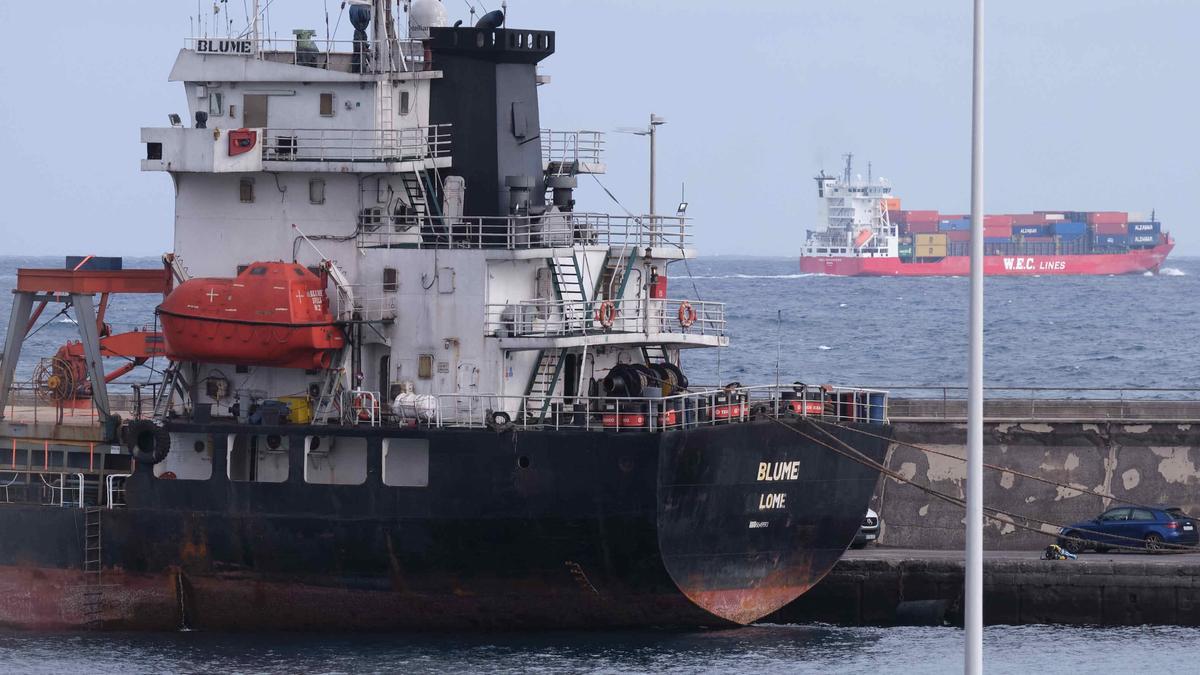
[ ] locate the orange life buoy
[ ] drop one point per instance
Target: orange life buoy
(687, 314)
(364, 409)
(607, 313)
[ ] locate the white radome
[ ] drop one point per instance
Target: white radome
(426, 14)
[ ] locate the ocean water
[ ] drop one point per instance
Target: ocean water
(1135, 332)
(756, 650)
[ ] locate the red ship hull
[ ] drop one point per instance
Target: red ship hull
(1132, 262)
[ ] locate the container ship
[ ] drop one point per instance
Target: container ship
(867, 234)
(403, 381)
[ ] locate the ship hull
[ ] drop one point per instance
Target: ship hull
(513, 530)
(1133, 262)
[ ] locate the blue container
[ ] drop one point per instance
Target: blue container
(1145, 228)
(1032, 230)
(1111, 240)
(954, 225)
(997, 240)
(1068, 227)
(1143, 239)
(1076, 236)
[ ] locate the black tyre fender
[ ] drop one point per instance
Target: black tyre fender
(147, 442)
(499, 421)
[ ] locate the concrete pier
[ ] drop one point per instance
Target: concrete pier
(882, 586)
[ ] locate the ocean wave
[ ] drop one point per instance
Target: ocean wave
(1171, 272)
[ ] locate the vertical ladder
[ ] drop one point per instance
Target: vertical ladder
(386, 121)
(614, 265)
(93, 593)
(540, 392)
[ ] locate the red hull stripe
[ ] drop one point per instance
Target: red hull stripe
(1133, 262)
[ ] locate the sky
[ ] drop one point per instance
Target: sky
(1091, 106)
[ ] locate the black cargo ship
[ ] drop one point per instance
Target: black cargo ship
(595, 488)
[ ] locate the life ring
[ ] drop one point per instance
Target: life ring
(147, 442)
(364, 410)
(607, 314)
(687, 314)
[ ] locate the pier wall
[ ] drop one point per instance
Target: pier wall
(1144, 453)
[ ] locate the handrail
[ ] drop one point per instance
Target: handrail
(552, 230)
(407, 55)
(549, 318)
(356, 145)
(679, 411)
(572, 147)
(112, 490)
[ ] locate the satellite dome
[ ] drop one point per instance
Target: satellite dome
(423, 15)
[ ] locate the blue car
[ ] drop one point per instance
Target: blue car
(1154, 529)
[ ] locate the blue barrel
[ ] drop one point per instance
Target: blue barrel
(877, 408)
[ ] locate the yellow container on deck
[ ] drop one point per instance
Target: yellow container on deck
(300, 409)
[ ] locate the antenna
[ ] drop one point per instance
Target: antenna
(849, 156)
(868, 173)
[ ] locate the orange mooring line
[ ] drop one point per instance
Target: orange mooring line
(46, 454)
(14, 462)
(91, 456)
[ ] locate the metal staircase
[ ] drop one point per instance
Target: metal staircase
(93, 591)
(615, 265)
(331, 387)
(540, 392)
(655, 354)
(166, 393)
(568, 286)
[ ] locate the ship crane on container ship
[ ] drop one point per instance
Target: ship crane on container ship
(413, 382)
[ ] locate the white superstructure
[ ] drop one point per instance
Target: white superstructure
(316, 151)
(854, 214)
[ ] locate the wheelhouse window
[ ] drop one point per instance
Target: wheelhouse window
(216, 104)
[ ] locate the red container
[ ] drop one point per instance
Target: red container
(958, 235)
(923, 228)
(1029, 219)
(998, 221)
(1111, 228)
(997, 232)
(922, 217)
(897, 217)
(1108, 218)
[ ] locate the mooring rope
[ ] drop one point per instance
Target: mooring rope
(992, 513)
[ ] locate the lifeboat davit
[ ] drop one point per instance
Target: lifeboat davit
(272, 314)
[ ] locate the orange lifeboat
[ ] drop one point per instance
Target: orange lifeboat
(272, 314)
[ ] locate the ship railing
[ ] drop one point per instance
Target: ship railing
(688, 410)
(44, 487)
(115, 489)
(364, 406)
(356, 145)
(401, 55)
(369, 303)
(549, 318)
(564, 150)
(553, 230)
(946, 402)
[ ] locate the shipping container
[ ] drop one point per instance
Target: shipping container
(996, 240)
(1107, 217)
(1072, 236)
(993, 232)
(897, 217)
(957, 224)
(1143, 239)
(1029, 219)
(931, 240)
(922, 216)
(1114, 229)
(892, 203)
(1144, 228)
(1111, 240)
(958, 235)
(905, 250)
(1032, 230)
(1068, 227)
(1036, 240)
(930, 252)
(923, 228)
(998, 221)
